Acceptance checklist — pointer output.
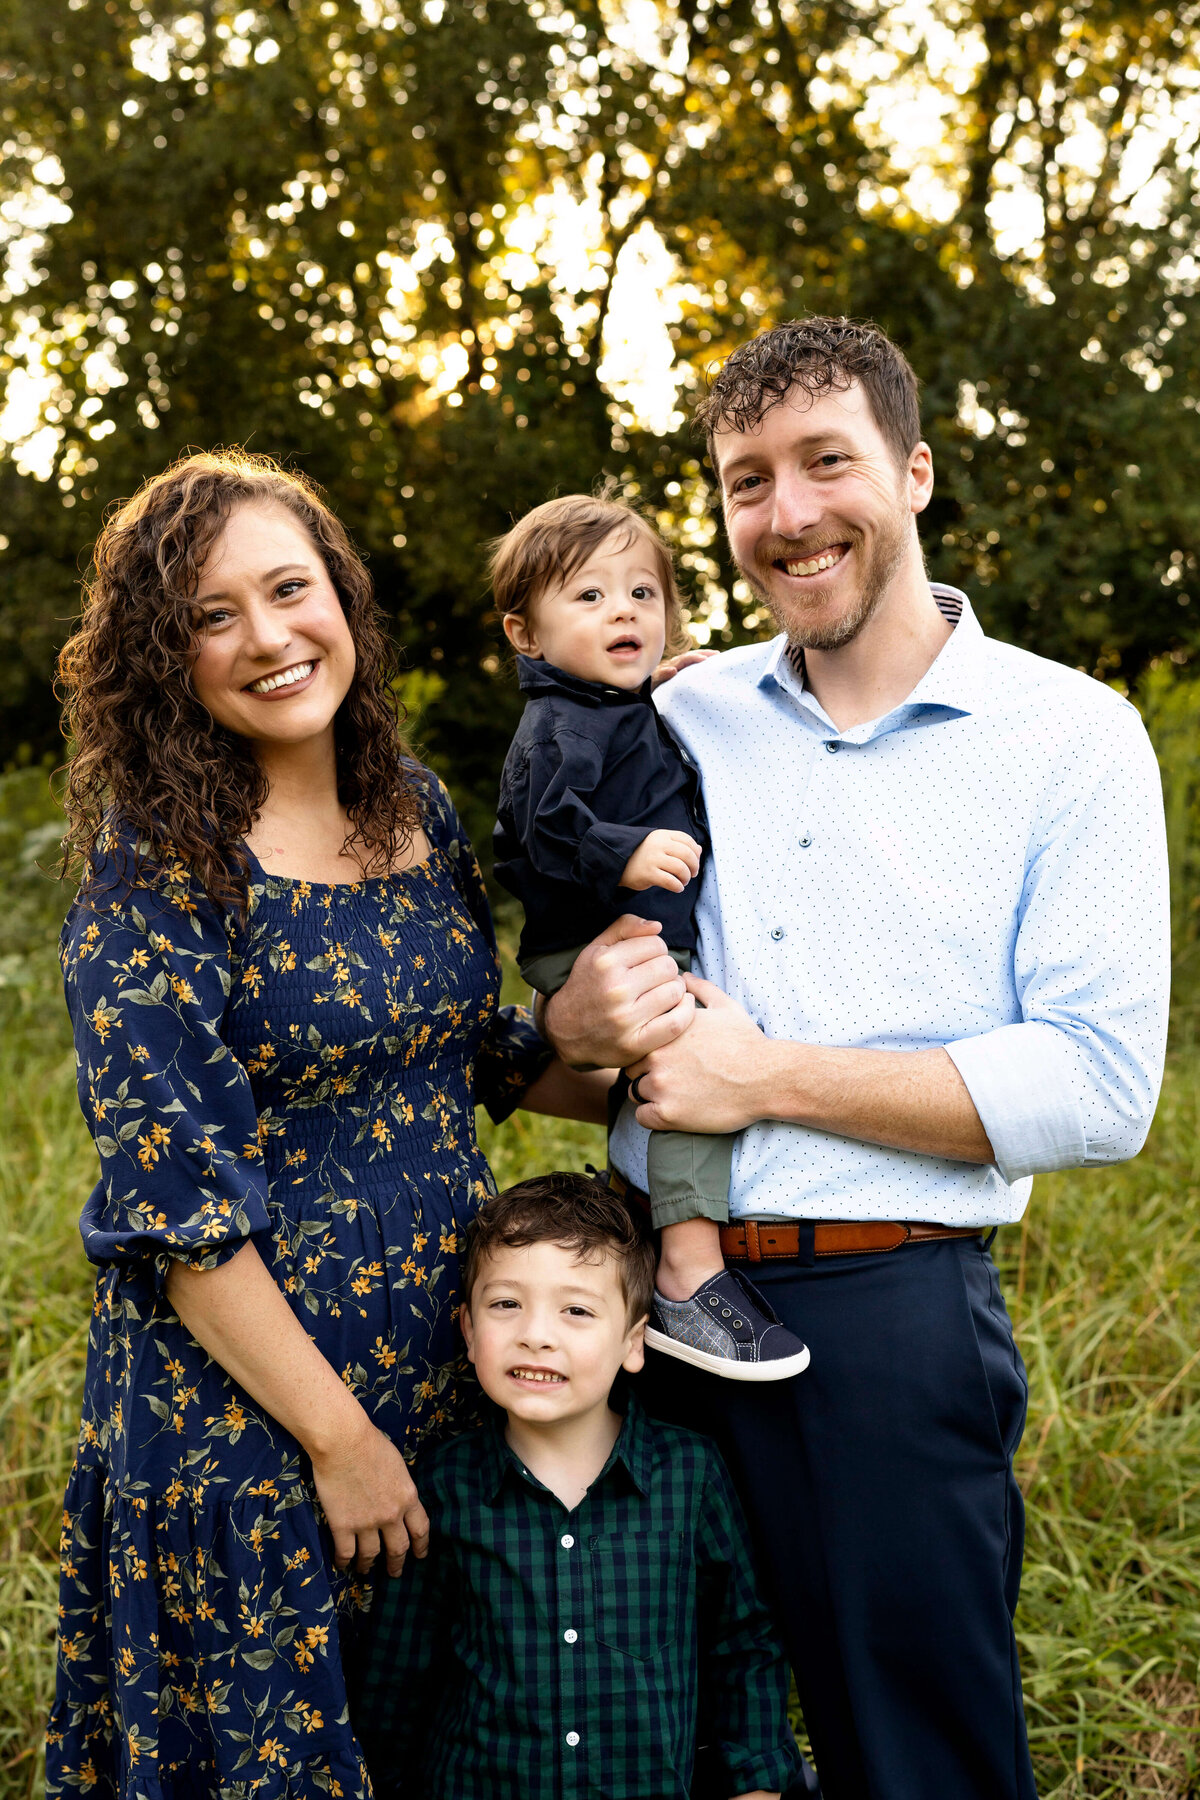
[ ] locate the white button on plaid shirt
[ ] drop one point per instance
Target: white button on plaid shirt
(983, 869)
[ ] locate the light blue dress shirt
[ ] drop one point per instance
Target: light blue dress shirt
(983, 869)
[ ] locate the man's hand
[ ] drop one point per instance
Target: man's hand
(663, 859)
(711, 1078)
(624, 998)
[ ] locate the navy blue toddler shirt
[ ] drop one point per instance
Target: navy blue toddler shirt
(591, 772)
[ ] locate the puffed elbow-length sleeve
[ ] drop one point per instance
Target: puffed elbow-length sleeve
(170, 1108)
(513, 1053)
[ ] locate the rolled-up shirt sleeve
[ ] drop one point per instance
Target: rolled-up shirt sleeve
(1075, 1081)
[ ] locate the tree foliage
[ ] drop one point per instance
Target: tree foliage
(387, 241)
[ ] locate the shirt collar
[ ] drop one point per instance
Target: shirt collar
(954, 683)
(632, 1451)
(536, 676)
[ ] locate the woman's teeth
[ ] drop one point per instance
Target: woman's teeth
(826, 560)
(537, 1375)
(269, 683)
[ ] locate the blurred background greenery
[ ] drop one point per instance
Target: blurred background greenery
(452, 257)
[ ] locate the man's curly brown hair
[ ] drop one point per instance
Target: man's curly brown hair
(814, 356)
(147, 755)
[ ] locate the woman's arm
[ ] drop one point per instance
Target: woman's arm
(240, 1317)
(571, 1093)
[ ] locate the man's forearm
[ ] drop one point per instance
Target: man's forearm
(906, 1099)
(722, 1074)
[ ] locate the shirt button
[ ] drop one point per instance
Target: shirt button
(570, 1637)
(776, 933)
(572, 1738)
(567, 1542)
(806, 840)
(832, 745)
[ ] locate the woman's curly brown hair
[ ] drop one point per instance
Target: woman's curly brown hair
(147, 756)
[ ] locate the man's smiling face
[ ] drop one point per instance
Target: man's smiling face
(820, 512)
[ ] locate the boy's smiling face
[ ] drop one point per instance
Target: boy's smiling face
(547, 1333)
(608, 623)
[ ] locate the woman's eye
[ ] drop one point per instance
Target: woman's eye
(287, 590)
(217, 616)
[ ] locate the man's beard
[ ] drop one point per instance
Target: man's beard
(878, 571)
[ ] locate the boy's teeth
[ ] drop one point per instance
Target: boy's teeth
(535, 1375)
(814, 566)
(270, 682)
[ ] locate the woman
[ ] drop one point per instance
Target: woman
(283, 983)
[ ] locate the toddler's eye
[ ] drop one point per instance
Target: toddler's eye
(591, 594)
(643, 592)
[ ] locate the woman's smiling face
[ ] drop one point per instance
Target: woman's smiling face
(275, 657)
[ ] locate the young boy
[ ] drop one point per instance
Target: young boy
(600, 814)
(588, 1595)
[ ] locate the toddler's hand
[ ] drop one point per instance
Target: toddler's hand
(665, 859)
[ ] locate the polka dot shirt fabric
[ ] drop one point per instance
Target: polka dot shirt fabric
(984, 869)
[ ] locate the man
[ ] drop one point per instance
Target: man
(934, 928)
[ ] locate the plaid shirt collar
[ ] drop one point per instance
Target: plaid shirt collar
(631, 1453)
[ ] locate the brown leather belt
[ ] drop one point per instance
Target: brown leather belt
(757, 1241)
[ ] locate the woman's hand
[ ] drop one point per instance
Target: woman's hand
(623, 998)
(673, 664)
(367, 1494)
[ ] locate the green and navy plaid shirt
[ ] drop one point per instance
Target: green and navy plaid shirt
(541, 1654)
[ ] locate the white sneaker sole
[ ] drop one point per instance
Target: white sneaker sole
(725, 1366)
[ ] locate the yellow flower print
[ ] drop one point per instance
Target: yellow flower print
(182, 989)
(448, 1243)
(383, 1354)
(361, 1284)
(272, 1751)
(420, 1239)
(139, 1053)
(252, 978)
(102, 1018)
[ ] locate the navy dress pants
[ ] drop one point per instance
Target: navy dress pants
(886, 1520)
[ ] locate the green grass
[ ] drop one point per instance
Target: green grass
(1103, 1280)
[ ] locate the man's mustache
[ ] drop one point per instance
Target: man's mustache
(769, 551)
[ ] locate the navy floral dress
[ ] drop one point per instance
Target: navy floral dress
(305, 1079)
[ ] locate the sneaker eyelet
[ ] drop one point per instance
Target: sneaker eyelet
(737, 1324)
(725, 1312)
(713, 1301)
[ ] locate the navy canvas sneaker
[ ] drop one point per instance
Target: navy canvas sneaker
(727, 1328)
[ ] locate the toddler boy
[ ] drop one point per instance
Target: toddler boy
(600, 814)
(588, 1589)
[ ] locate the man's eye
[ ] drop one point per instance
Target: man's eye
(831, 459)
(746, 484)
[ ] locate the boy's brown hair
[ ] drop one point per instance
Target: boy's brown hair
(575, 1211)
(545, 548)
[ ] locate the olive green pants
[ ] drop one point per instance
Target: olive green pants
(687, 1172)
